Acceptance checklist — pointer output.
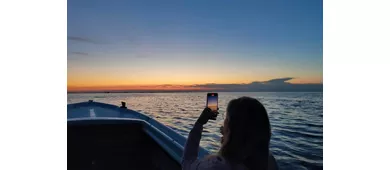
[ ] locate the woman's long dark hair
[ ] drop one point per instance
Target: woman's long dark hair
(248, 136)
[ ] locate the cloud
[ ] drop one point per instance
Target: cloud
(275, 85)
(278, 81)
(77, 53)
(82, 39)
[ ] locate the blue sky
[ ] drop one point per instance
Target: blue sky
(251, 41)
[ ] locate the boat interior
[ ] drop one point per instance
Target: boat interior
(115, 146)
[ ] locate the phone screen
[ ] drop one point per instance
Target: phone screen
(212, 101)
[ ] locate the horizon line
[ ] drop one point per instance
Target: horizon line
(279, 84)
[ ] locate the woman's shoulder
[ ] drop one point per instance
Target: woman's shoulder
(214, 162)
(272, 164)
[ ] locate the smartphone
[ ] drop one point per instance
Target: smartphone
(212, 101)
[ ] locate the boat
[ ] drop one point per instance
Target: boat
(105, 136)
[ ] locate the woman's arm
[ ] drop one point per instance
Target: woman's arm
(191, 147)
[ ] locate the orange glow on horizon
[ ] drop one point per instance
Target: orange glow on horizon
(164, 87)
(179, 77)
(136, 87)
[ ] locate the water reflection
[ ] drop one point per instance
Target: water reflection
(296, 119)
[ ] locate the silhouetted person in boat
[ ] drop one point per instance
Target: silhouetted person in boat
(245, 142)
(123, 105)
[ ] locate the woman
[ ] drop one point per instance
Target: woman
(245, 142)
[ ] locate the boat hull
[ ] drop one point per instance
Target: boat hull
(103, 136)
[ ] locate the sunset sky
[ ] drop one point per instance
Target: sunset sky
(118, 45)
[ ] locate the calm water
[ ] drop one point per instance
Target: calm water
(296, 119)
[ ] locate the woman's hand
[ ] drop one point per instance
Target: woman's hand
(206, 115)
